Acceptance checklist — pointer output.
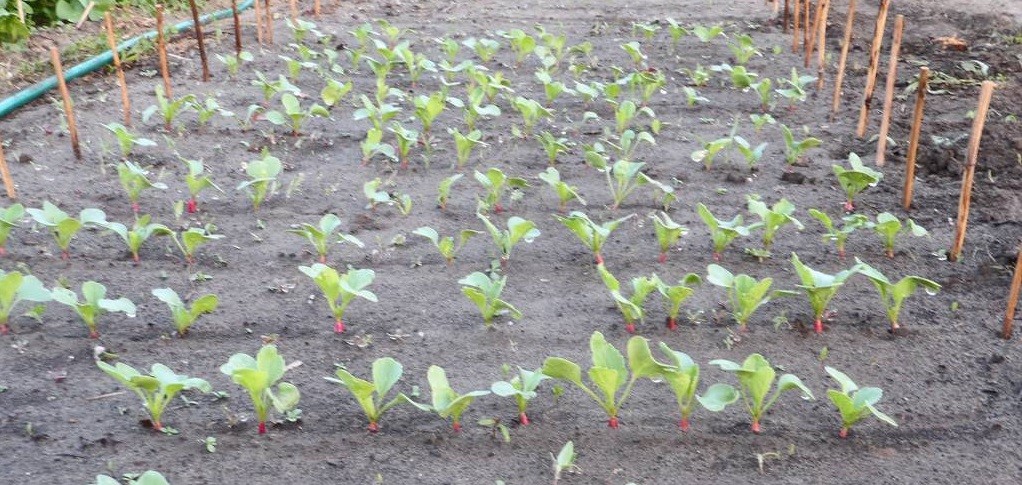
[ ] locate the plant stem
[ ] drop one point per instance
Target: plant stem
(523, 419)
(672, 323)
(373, 427)
(755, 425)
(193, 206)
(339, 326)
(663, 257)
(262, 427)
(843, 433)
(684, 425)
(612, 422)
(818, 326)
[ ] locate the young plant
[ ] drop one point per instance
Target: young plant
(744, 292)
(756, 377)
(706, 34)
(150, 477)
(752, 155)
(623, 177)
(446, 245)
(406, 139)
(518, 230)
(140, 231)
(854, 403)
(741, 78)
(722, 232)
(531, 112)
(553, 146)
(63, 226)
(840, 235)
(94, 303)
(134, 180)
(564, 461)
(324, 234)
(888, 227)
(341, 289)
(233, 62)
(676, 31)
(372, 395)
(169, 109)
(185, 317)
(16, 288)
(375, 196)
(565, 193)
(427, 109)
(675, 295)
(709, 152)
(522, 44)
(692, 97)
(668, 233)
(334, 92)
(682, 374)
(796, 90)
(591, 234)
(743, 48)
(485, 292)
(484, 48)
(294, 115)
(893, 295)
(793, 150)
(193, 238)
(9, 218)
(157, 389)
(373, 145)
(819, 287)
(377, 114)
(445, 401)
(523, 388)
(272, 88)
(261, 377)
(444, 190)
(772, 218)
(856, 179)
(495, 183)
(262, 175)
(127, 140)
(632, 308)
(609, 372)
(197, 180)
(464, 143)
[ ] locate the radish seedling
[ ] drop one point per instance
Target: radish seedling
(819, 287)
(709, 152)
(692, 96)
(197, 180)
(553, 146)
(634, 50)
(675, 295)
(272, 88)
(647, 29)
(374, 195)
(629, 142)
(302, 28)
(140, 231)
(233, 62)
(756, 377)
(888, 227)
(444, 190)
(406, 139)
(334, 92)
(127, 140)
(9, 218)
(474, 108)
(793, 150)
(724, 232)
(676, 32)
(193, 238)
(63, 226)
(854, 403)
(373, 145)
(445, 401)
(752, 155)
(134, 180)
(169, 109)
(185, 317)
(745, 293)
(564, 461)
(416, 63)
(682, 374)
(324, 234)
(632, 307)
(741, 78)
(668, 233)
(552, 89)
(893, 295)
(531, 112)
(609, 372)
(772, 218)
(427, 109)
(839, 235)
(294, 115)
(565, 193)
(522, 44)
(518, 230)
(464, 143)
(371, 395)
(15, 288)
(495, 183)
(378, 114)
(150, 477)
(484, 48)
(796, 90)
(263, 178)
(623, 177)
(706, 34)
(761, 120)
(523, 388)
(700, 76)
(446, 245)
(856, 179)
(626, 111)
(485, 292)
(156, 389)
(591, 234)
(261, 377)
(340, 289)
(93, 304)
(744, 49)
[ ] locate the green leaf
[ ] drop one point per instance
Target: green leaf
(563, 369)
(717, 397)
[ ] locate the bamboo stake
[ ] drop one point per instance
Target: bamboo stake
(81, 20)
(161, 47)
(259, 21)
(845, 44)
(111, 41)
(821, 46)
(1016, 283)
(796, 20)
(21, 10)
(268, 12)
(237, 28)
(317, 8)
(985, 93)
(913, 138)
(807, 22)
(892, 76)
(201, 40)
(72, 127)
(787, 15)
(294, 10)
(874, 59)
(6, 174)
(814, 33)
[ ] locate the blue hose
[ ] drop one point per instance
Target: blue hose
(33, 92)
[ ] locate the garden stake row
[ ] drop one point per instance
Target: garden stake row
(81, 20)
(807, 25)
(787, 15)
(796, 26)
(259, 21)
(161, 48)
(821, 47)
(815, 30)
(913, 137)
(985, 93)
(6, 174)
(268, 21)
(892, 76)
(317, 8)
(72, 127)
(237, 28)
(1016, 283)
(845, 44)
(294, 10)
(111, 41)
(199, 38)
(871, 75)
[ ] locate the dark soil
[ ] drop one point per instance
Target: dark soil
(953, 386)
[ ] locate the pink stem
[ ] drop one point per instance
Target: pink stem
(339, 326)
(262, 427)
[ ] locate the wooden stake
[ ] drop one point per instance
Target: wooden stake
(871, 75)
(81, 20)
(268, 12)
(259, 21)
(237, 27)
(161, 48)
(111, 40)
(892, 76)
(796, 27)
(787, 15)
(294, 10)
(813, 34)
(72, 127)
(985, 93)
(821, 46)
(1016, 283)
(807, 22)
(6, 174)
(317, 9)
(913, 137)
(201, 40)
(845, 44)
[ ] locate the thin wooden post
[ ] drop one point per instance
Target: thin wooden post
(259, 21)
(294, 10)
(237, 28)
(161, 47)
(913, 138)
(787, 15)
(845, 44)
(807, 24)
(985, 93)
(72, 127)
(6, 174)
(199, 38)
(796, 25)
(268, 12)
(871, 75)
(892, 77)
(821, 46)
(813, 34)
(317, 8)
(1016, 283)
(111, 41)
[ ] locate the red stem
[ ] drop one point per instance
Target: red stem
(93, 334)
(843, 433)
(135, 259)
(599, 259)
(755, 426)
(135, 207)
(672, 323)
(818, 326)
(849, 206)
(262, 427)
(612, 422)
(630, 327)
(193, 206)
(663, 257)
(456, 426)
(3, 251)
(523, 419)
(684, 424)
(716, 257)
(373, 427)
(339, 326)
(497, 208)
(157, 426)
(322, 258)
(65, 255)
(4, 329)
